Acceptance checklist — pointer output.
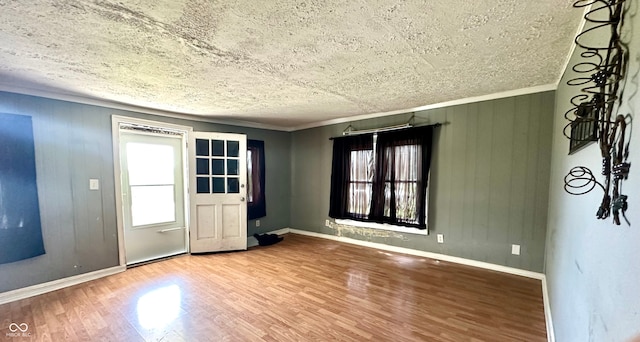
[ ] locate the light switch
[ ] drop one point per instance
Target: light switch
(94, 184)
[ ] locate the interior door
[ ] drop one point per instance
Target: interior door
(218, 178)
(153, 196)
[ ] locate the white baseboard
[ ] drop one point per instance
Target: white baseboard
(551, 336)
(39, 289)
(252, 241)
(443, 257)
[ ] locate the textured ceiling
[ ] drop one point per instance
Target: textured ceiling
(285, 63)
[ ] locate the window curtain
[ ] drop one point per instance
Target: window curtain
(347, 151)
(256, 203)
(403, 159)
(390, 189)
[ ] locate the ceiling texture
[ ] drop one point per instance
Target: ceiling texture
(285, 63)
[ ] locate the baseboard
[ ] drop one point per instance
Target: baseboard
(443, 257)
(252, 241)
(39, 289)
(457, 260)
(551, 337)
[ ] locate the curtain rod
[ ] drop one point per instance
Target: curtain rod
(382, 129)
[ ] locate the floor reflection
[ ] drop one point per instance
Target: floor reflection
(159, 307)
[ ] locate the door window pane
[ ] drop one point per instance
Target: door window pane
(233, 148)
(232, 167)
(218, 185)
(202, 166)
(152, 204)
(218, 166)
(217, 148)
(203, 185)
(249, 176)
(233, 186)
(202, 147)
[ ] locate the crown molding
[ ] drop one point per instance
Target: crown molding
(510, 93)
(249, 124)
(566, 65)
(134, 108)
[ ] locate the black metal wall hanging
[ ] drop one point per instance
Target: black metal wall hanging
(592, 116)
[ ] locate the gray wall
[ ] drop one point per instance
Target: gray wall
(592, 266)
(488, 188)
(73, 143)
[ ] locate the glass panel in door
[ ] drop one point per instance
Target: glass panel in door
(218, 167)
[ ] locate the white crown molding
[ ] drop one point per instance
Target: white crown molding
(583, 22)
(134, 108)
(510, 93)
(39, 289)
(249, 124)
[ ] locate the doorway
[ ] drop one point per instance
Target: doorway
(151, 189)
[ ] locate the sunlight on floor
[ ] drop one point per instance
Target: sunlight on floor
(159, 307)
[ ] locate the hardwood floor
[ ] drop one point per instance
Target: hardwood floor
(302, 289)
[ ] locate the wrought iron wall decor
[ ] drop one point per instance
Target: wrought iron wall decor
(592, 116)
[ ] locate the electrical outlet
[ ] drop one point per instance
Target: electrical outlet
(94, 184)
(327, 223)
(440, 238)
(515, 249)
(257, 223)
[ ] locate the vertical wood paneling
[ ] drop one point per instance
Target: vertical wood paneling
(500, 176)
(73, 144)
(483, 175)
(446, 164)
(532, 170)
(545, 132)
(518, 179)
(458, 150)
(488, 186)
(470, 167)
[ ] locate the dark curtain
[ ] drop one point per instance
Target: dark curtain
(341, 176)
(256, 204)
(399, 177)
(20, 227)
(403, 159)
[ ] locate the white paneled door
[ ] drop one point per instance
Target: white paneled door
(218, 178)
(153, 196)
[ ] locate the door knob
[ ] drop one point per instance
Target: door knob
(241, 199)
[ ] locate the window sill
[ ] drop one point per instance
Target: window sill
(383, 226)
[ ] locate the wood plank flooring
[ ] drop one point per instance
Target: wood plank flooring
(302, 289)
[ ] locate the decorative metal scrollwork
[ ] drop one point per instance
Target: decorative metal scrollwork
(591, 117)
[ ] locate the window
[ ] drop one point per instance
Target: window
(382, 178)
(256, 202)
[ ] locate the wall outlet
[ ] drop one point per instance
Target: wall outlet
(440, 238)
(257, 223)
(327, 223)
(515, 249)
(94, 184)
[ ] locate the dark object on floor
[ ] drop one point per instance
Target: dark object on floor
(267, 239)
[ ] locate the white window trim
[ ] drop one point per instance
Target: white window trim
(383, 226)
